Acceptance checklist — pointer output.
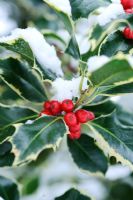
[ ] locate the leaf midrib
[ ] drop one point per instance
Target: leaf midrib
(39, 133)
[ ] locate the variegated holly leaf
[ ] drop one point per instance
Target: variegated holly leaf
(113, 76)
(30, 139)
(22, 79)
(115, 43)
(8, 189)
(114, 138)
(82, 8)
(6, 156)
(64, 12)
(73, 194)
(31, 46)
(13, 115)
(91, 159)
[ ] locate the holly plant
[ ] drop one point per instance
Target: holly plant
(53, 100)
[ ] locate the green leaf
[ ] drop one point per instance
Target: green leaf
(13, 115)
(73, 194)
(22, 79)
(114, 138)
(30, 139)
(6, 133)
(6, 156)
(65, 17)
(115, 43)
(116, 72)
(82, 8)
(24, 52)
(8, 189)
(22, 48)
(87, 155)
(73, 48)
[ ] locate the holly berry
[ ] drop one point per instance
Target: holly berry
(45, 112)
(74, 135)
(128, 33)
(55, 107)
(67, 105)
(75, 128)
(47, 105)
(70, 119)
(127, 5)
(91, 115)
(83, 116)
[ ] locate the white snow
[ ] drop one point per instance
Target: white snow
(1, 198)
(44, 53)
(117, 172)
(96, 62)
(83, 42)
(110, 13)
(63, 5)
(67, 89)
(6, 23)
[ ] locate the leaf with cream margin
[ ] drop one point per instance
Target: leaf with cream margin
(63, 10)
(113, 138)
(82, 8)
(31, 45)
(73, 194)
(87, 155)
(30, 139)
(115, 43)
(8, 189)
(10, 116)
(6, 156)
(114, 74)
(22, 79)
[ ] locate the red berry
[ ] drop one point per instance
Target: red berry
(91, 115)
(70, 119)
(127, 5)
(55, 107)
(46, 112)
(67, 105)
(47, 105)
(128, 33)
(75, 128)
(82, 116)
(75, 135)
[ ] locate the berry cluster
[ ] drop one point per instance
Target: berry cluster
(73, 119)
(128, 7)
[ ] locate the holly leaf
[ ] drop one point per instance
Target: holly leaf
(113, 75)
(73, 194)
(114, 138)
(8, 189)
(30, 139)
(115, 43)
(87, 155)
(72, 47)
(82, 8)
(13, 115)
(22, 79)
(6, 156)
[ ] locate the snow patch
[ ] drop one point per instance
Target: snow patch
(110, 13)
(95, 62)
(67, 89)
(44, 53)
(63, 5)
